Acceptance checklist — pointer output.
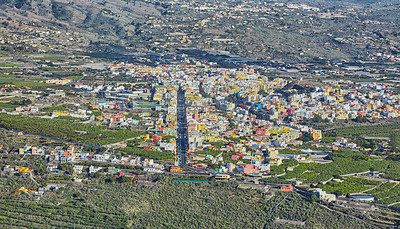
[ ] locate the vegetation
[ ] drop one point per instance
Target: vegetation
(148, 153)
(382, 130)
(211, 152)
(163, 204)
(56, 108)
(276, 170)
(32, 84)
(387, 193)
(375, 130)
(348, 186)
(217, 205)
(95, 135)
(8, 65)
(67, 215)
(344, 162)
(275, 180)
(7, 105)
(217, 144)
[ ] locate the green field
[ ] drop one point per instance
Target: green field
(95, 135)
(73, 77)
(344, 162)
(8, 65)
(56, 108)
(381, 130)
(32, 84)
(387, 193)
(158, 155)
(371, 130)
(348, 186)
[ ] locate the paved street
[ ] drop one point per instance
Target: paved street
(182, 128)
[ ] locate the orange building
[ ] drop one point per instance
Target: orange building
(287, 188)
(174, 169)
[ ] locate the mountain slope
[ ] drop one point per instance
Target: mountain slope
(112, 18)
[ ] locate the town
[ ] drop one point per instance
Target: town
(289, 110)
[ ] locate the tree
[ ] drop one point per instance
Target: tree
(393, 141)
(371, 169)
(314, 198)
(41, 170)
(96, 174)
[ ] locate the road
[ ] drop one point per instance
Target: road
(182, 129)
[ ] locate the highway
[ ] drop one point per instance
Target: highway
(182, 143)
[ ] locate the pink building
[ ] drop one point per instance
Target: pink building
(246, 169)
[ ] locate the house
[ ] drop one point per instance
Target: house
(200, 166)
(112, 170)
(51, 168)
(230, 167)
(265, 168)
(351, 145)
(25, 170)
(8, 169)
(275, 161)
(246, 169)
(222, 177)
(271, 152)
(83, 156)
(93, 169)
(341, 140)
(78, 169)
(153, 170)
(316, 134)
(67, 158)
(100, 157)
(323, 196)
(287, 188)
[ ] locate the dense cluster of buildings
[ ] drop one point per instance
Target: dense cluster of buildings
(58, 155)
(247, 112)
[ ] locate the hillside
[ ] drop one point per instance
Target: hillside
(108, 18)
(289, 32)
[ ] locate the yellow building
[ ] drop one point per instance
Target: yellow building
(316, 134)
(60, 113)
(342, 116)
(22, 189)
(25, 170)
(146, 137)
(275, 161)
(272, 152)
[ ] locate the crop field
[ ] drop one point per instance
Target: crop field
(164, 204)
(17, 214)
(67, 130)
(387, 193)
(384, 130)
(349, 185)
